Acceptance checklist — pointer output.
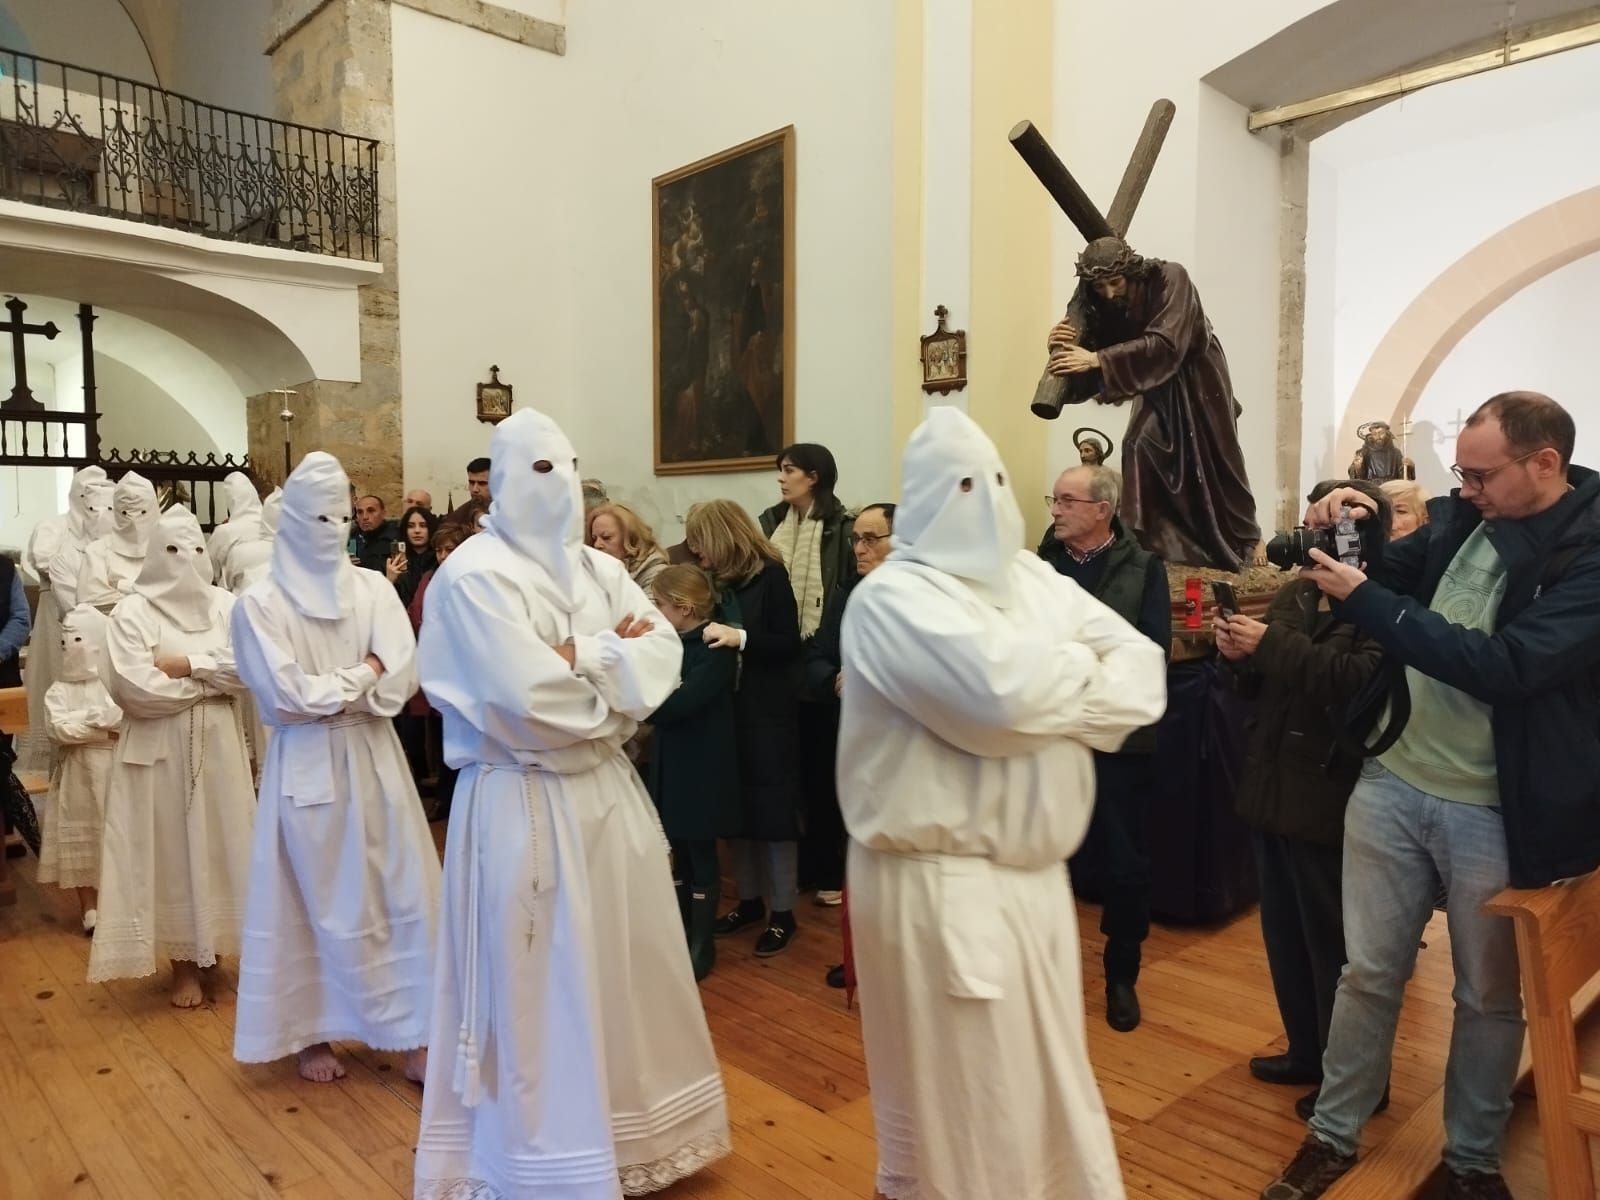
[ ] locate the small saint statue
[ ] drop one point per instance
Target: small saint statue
(1379, 459)
(1094, 447)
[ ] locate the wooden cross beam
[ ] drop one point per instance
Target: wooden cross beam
(1073, 200)
(22, 396)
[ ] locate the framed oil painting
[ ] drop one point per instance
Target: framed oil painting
(723, 273)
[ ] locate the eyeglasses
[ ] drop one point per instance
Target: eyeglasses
(869, 540)
(1479, 478)
(1055, 502)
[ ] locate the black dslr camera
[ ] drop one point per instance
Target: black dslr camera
(1348, 541)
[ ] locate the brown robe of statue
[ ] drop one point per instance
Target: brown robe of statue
(1185, 491)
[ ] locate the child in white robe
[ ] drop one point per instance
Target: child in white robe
(176, 857)
(344, 881)
(83, 720)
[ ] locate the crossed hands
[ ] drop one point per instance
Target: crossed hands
(628, 627)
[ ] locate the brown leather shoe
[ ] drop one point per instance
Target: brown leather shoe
(1315, 1169)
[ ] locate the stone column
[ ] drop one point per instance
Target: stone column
(332, 68)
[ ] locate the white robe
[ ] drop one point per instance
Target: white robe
(106, 576)
(966, 779)
(344, 881)
(176, 856)
(82, 719)
(569, 1042)
(35, 750)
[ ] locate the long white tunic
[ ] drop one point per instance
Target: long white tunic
(344, 881)
(35, 749)
(176, 856)
(966, 779)
(571, 1058)
(82, 719)
(105, 576)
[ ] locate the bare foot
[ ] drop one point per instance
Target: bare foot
(208, 979)
(186, 990)
(318, 1064)
(417, 1065)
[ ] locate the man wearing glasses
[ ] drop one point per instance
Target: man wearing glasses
(1088, 545)
(1487, 773)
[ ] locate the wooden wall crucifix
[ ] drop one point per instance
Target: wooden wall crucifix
(22, 398)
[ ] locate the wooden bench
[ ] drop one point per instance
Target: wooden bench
(13, 720)
(1558, 946)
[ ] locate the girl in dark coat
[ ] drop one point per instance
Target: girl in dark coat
(759, 618)
(693, 772)
(407, 566)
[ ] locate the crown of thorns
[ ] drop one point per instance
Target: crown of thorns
(1105, 257)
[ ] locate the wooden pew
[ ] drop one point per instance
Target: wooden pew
(1558, 944)
(1558, 947)
(13, 720)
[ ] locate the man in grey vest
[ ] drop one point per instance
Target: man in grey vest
(1088, 545)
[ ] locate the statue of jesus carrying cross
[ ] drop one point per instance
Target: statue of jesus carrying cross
(1135, 330)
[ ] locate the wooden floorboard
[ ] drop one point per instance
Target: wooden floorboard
(109, 1092)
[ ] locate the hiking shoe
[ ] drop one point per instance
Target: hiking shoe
(1315, 1169)
(1475, 1185)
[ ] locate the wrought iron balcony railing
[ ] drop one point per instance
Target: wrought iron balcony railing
(82, 140)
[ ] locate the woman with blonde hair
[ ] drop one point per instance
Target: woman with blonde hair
(620, 532)
(1408, 506)
(758, 617)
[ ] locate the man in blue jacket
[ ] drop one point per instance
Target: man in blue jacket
(1487, 775)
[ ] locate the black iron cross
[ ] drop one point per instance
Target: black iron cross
(22, 395)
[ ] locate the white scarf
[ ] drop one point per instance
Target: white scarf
(799, 540)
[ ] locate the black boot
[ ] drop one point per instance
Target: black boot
(741, 916)
(702, 944)
(1122, 1006)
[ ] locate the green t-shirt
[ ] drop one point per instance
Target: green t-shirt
(1447, 749)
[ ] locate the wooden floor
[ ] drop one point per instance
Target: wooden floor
(107, 1091)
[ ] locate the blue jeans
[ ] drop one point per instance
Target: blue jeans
(1399, 845)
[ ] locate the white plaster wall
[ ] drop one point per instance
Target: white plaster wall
(549, 275)
(947, 169)
(1400, 194)
(97, 34)
(1541, 339)
(1213, 201)
(219, 55)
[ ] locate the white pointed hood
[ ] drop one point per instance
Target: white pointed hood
(100, 509)
(537, 508)
(80, 503)
(134, 514)
(177, 573)
(957, 511)
(271, 512)
(310, 555)
(83, 639)
(242, 498)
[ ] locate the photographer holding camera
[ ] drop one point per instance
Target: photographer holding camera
(1487, 773)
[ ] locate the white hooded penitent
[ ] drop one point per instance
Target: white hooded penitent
(310, 561)
(957, 511)
(538, 499)
(176, 576)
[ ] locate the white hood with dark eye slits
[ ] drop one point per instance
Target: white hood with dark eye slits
(538, 500)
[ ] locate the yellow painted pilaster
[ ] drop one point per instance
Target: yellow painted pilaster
(906, 226)
(1011, 79)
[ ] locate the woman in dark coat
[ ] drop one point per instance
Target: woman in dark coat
(1304, 667)
(811, 530)
(693, 770)
(406, 567)
(759, 618)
